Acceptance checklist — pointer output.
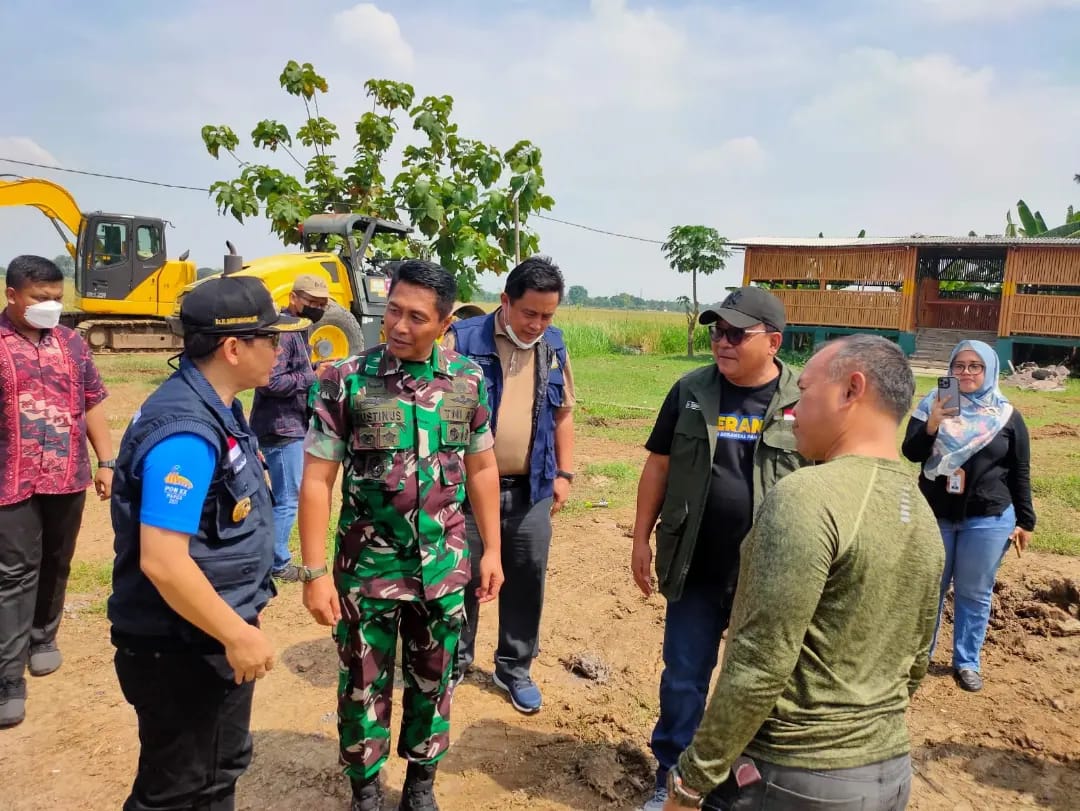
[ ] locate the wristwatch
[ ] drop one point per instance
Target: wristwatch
(682, 796)
(108, 464)
(563, 474)
(306, 575)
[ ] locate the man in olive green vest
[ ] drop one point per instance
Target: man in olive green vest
(721, 440)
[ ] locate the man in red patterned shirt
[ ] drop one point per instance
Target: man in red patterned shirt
(50, 403)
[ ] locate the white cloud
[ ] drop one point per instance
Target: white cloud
(25, 149)
(367, 26)
(977, 10)
(648, 115)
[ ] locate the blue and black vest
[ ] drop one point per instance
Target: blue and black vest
(234, 545)
(475, 337)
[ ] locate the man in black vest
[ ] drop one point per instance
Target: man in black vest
(721, 440)
(194, 525)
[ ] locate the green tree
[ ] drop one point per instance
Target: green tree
(468, 200)
(577, 295)
(1033, 225)
(694, 249)
(66, 264)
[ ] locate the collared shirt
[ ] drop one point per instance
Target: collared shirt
(402, 430)
(513, 440)
(279, 410)
(46, 389)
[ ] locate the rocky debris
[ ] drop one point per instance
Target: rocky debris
(1047, 609)
(588, 665)
(1032, 377)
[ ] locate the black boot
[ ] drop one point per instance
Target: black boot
(367, 795)
(418, 794)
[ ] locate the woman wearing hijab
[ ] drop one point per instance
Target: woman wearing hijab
(976, 478)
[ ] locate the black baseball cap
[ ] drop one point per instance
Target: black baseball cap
(232, 305)
(748, 306)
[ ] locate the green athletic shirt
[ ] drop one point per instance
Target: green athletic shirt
(831, 627)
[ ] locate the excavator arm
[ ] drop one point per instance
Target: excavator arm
(54, 201)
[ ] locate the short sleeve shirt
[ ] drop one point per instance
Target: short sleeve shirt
(46, 388)
(176, 475)
(401, 430)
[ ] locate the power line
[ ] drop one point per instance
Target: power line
(107, 177)
(599, 230)
(160, 184)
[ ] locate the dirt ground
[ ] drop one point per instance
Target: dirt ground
(1015, 745)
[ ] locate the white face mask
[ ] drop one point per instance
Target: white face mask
(44, 314)
(520, 344)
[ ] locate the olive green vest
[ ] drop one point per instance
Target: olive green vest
(690, 469)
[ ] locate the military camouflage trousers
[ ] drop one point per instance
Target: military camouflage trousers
(429, 638)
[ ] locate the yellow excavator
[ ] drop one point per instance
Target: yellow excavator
(125, 287)
(124, 283)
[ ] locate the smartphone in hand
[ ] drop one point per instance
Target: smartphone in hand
(948, 392)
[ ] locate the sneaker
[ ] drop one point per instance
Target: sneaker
(12, 701)
(290, 574)
(657, 801)
(524, 694)
(968, 679)
(45, 659)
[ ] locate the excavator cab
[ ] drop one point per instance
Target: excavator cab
(117, 254)
(366, 287)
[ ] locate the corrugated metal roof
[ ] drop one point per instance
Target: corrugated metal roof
(915, 240)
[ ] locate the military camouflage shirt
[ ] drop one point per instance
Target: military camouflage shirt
(402, 429)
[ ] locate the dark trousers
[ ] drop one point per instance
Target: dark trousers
(194, 730)
(883, 786)
(37, 541)
(526, 541)
(693, 627)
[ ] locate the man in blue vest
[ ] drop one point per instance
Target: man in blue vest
(531, 392)
(194, 524)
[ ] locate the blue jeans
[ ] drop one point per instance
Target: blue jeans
(974, 549)
(693, 628)
(286, 464)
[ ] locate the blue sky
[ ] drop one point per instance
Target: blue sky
(759, 119)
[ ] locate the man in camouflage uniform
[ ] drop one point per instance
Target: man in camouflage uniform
(410, 423)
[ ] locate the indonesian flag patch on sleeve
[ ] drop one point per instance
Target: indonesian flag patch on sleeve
(789, 415)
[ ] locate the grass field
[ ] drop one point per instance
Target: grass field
(619, 397)
(620, 389)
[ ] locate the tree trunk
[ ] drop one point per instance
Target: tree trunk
(692, 320)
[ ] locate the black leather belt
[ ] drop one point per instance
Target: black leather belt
(513, 482)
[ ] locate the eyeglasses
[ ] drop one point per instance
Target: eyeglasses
(973, 368)
(273, 337)
(734, 335)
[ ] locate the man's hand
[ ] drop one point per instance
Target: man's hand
(491, 577)
(103, 483)
(250, 654)
(322, 601)
(641, 566)
(562, 493)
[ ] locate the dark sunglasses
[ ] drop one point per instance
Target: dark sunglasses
(273, 337)
(734, 335)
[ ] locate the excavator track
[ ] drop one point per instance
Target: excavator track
(128, 335)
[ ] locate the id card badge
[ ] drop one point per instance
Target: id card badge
(955, 484)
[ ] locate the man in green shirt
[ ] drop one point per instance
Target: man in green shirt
(834, 611)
